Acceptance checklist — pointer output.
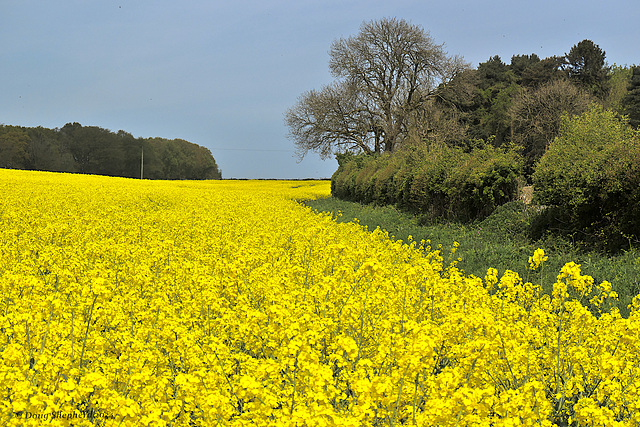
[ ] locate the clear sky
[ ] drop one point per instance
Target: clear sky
(222, 73)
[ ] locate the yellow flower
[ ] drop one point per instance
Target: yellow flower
(537, 258)
(229, 303)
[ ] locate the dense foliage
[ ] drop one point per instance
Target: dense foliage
(480, 136)
(592, 173)
(94, 150)
(435, 180)
(519, 104)
(129, 302)
(516, 104)
(631, 100)
(384, 75)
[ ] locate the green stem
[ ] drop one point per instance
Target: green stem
(86, 332)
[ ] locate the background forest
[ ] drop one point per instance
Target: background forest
(519, 105)
(417, 129)
(94, 150)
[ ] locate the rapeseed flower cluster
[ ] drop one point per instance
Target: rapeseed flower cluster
(127, 302)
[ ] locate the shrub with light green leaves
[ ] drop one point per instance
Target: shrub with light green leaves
(592, 173)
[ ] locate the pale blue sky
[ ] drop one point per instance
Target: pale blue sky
(222, 73)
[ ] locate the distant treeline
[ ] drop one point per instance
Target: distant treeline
(94, 150)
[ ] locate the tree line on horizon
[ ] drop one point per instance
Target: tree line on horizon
(94, 150)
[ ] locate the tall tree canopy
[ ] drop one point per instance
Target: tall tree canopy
(631, 101)
(384, 75)
(586, 66)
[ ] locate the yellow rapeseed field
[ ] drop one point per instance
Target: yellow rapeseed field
(139, 303)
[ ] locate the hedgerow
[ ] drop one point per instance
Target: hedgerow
(433, 180)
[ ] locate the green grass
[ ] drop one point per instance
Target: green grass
(500, 241)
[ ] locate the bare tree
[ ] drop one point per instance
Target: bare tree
(536, 116)
(385, 74)
(331, 119)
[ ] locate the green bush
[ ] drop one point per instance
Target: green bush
(487, 179)
(382, 181)
(591, 172)
(342, 181)
(402, 181)
(512, 219)
(364, 179)
(429, 193)
(436, 181)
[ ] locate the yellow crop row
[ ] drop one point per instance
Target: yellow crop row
(128, 302)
